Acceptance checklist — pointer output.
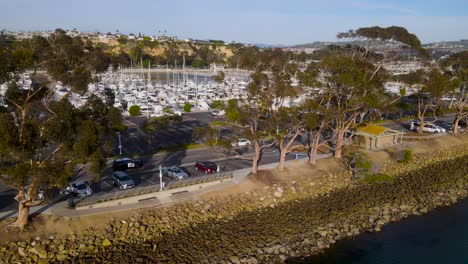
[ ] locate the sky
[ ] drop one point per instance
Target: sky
(274, 22)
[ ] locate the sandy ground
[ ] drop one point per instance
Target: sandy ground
(46, 225)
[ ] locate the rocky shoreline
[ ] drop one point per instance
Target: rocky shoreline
(265, 226)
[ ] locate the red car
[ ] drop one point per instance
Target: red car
(206, 166)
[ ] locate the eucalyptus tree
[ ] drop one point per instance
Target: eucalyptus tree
(285, 116)
(252, 118)
(381, 46)
(43, 138)
(435, 86)
(457, 65)
(351, 85)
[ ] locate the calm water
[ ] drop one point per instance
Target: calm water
(440, 236)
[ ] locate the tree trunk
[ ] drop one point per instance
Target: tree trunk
(282, 154)
(455, 125)
(23, 214)
(314, 148)
(339, 144)
(256, 158)
(420, 116)
(421, 125)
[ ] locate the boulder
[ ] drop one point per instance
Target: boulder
(106, 243)
(39, 251)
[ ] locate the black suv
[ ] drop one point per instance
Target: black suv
(126, 163)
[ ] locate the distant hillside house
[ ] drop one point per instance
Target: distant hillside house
(377, 137)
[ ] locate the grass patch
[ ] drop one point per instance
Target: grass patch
(377, 178)
(217, 123)
(407, 156)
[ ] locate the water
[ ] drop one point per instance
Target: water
(440, 236)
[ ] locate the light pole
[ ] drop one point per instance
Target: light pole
(160, 179)
(120, 144)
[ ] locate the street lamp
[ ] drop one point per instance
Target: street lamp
(161, 183)
(120, 144)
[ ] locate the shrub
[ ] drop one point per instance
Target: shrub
(363, 164)
(187, 107)
(134, 110)
(377, 178)
(407, 156)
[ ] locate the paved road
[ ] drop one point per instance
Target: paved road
(443, 121)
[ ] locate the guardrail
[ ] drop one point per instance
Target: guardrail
(103, 197)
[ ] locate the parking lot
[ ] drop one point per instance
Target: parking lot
(144, 177)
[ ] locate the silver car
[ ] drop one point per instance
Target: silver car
(176, 173)
(122, 180)
(81, 188)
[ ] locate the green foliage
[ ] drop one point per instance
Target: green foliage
(187, 107)
(363, 164)
(219, 78)
(88, 139)
(198, 63)
(217, 104)
(8, 134)
(206, 135)
(134, 110)
(377, 178)
(407, 156)
(232, 111)
(217, 123)
(97, 163)
(122, 40)
(155, 124)
(396, 33)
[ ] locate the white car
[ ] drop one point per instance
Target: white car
(176, 173)
(430, 128)
(242, 142)
(218, 112)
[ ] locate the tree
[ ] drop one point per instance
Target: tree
(458, 69)
(37, 146)
(217, 104)
(252, 118)
(285, 117)
(351, 85)
(288, 127)
(393, 34)
(187, 107)
(429, 95)
(134, 110)
(219, 78)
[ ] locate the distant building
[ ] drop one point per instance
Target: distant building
(216, 67)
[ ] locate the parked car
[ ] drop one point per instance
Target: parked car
(430, 128)
(206, 166)
(80, 188)
(126, 163)
(218, 112)
(176, 173)
(242, 142)
(122, 180)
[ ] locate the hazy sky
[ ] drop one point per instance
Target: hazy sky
(249, 21)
